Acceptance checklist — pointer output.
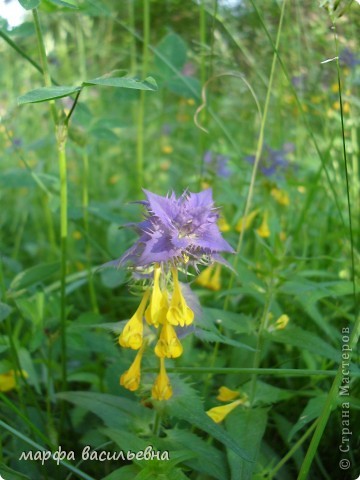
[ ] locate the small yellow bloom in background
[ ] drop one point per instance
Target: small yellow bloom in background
(219, 413)
(226, 394)
(264, 230)
(346, 107)
(210, 277)
(190, 101)
(113, 180)
(132, 335)
(205, 185)
(131, 378)
(8, 380)
(301, 189)
(162, 389)
(223, 225)
(280, 196)
(282, 236)
(245, 222)
(316, 99)
(77, 235)
(168, 344)
(335, 87)
(282, 322)
(167, 149)
(179, 313)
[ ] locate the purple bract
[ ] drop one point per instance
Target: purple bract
(177, 230)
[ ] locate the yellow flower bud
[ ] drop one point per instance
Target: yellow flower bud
(219, 413)
(223, 225)
(245, 222)
(226, 395)
(280, 196)
(132, 335)
(179, 313)
(264, 230)
(162, 389)
(131, 378)
(156, 311)
(168, 344)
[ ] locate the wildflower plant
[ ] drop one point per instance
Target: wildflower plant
(176, 233)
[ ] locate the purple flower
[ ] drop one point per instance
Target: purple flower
(177, 230)
(348, 58)
(216, 164)
(272, 161)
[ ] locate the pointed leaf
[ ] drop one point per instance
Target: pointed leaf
(5, 311)
(29, 4)
(248, 427)
(46, 93)
(123, 82)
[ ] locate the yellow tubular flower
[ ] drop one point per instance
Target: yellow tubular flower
(245, 222)
(204, 278)
(132, 335)
(226, 395)
(282, 322)
(162, 389)
(156, 312)
(131, 378)
(264, 230)
(280, 196)
(223, 225)
(210, 277)
(219, 413)
(168, 344)
(7, 381)
(179, 313)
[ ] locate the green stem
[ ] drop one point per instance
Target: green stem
(157, 423)
(141, 111)
(258, 152)
(61, 136)
(331, 398)
(85, 205)
(43, 60)
(40, 448)
(260, 341)
(292, 450)
(286, 372)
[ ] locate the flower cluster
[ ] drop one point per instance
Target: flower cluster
(176, 233)
(273, 161)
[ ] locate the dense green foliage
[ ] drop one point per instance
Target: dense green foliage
(174, 95)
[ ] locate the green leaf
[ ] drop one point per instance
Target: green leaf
(115, 411)
(123, 82)
(34, 275)
(62, 3)
(5, 311)
(302, 339)
(209, 460)
(266, 394)
(312, 410)
(248, 426)
(170, 55)
(124, 473)
(189, 408)
(45, 94)
(29, 4)
(10, 474)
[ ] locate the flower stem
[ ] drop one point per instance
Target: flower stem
(61, 142)
(258, 152)
(85, 205)
(43, 60)
(141, 110)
